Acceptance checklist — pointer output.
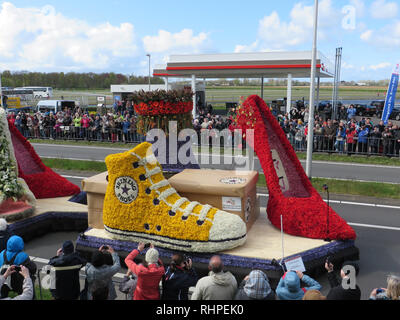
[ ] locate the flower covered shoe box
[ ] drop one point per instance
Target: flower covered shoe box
(95, 188)
(232, 191)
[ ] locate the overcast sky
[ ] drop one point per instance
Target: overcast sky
(116, 35)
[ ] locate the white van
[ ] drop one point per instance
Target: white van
(54, 105)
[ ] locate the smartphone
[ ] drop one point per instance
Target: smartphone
(105, 247)
(147, 245)
(17, 268)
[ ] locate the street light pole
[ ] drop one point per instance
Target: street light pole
(1, 94)
(148, 55)
(310, 140)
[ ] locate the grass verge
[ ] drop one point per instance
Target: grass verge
(378, 160)
(46, 294)
(365, 189)
(75, 165)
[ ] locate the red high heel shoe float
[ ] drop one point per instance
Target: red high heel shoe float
(291, 193)
(42, 181)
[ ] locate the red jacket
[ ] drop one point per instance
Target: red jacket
(149, 278)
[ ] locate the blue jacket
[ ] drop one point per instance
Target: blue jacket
(289, 286)
(351, 112)
(15, 247)
(363, 135)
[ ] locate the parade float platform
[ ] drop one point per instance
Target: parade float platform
(51, 215)
(263, 246)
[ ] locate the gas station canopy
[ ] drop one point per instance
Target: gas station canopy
(246, 65)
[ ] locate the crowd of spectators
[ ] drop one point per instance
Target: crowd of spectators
(116, 125)
(149, 279)
(345, 135)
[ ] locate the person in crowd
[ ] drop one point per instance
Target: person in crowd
(149, 273)
(313, 295)
(99, 274)
(99, 292)
(340, 138)
(351, 139)
(318, 137)
(4, 234)
(392, 292)
(255, 286)
(289, 286)
(329, 133)
(15, 255)
(351, 112)
(363, 139)
(67, 264)
(126, 124)
(128, 284)
(375, 140)
(178, 278)
(338, 291)
(387, 137)
(27, 285)
(218, 285)
(77, 126)
(343, 113)
(396, 140)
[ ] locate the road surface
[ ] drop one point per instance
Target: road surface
(348, 171)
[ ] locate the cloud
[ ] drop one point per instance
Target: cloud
(243, 48)
(183, 42)
(382, 65)
(387, 37)
(41, 38)
(277, 33)
(380, 9)
(366, 35)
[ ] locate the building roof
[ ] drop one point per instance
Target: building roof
(246, 65)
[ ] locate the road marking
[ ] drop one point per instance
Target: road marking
(74, 177)
(373, 226)
(264, 195)
(79, 159)
(78, 147)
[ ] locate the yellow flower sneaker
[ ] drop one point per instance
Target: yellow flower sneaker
(140, 205)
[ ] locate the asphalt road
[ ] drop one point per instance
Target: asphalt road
(348, 171)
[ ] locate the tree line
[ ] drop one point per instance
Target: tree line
(72, 80)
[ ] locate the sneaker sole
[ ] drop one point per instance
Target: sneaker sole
(210, 246)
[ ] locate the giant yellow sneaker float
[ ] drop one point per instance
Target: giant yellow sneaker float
(140, 205)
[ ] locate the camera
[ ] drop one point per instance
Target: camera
(147, 245)
(328, 260)
(105, 247)
(17, 268)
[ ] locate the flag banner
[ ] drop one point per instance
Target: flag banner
(391, 96)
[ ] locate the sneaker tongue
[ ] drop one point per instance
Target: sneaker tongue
(145, 151)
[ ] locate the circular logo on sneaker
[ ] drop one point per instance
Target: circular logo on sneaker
(126, 189)
(233, 180)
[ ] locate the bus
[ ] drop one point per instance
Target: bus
(40, 92)
(16, 99)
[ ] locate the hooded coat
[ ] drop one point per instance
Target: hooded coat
(256, 287)
(15, 247)
(289, 286)
(216, 286)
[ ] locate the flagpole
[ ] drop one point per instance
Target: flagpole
(310, 140)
